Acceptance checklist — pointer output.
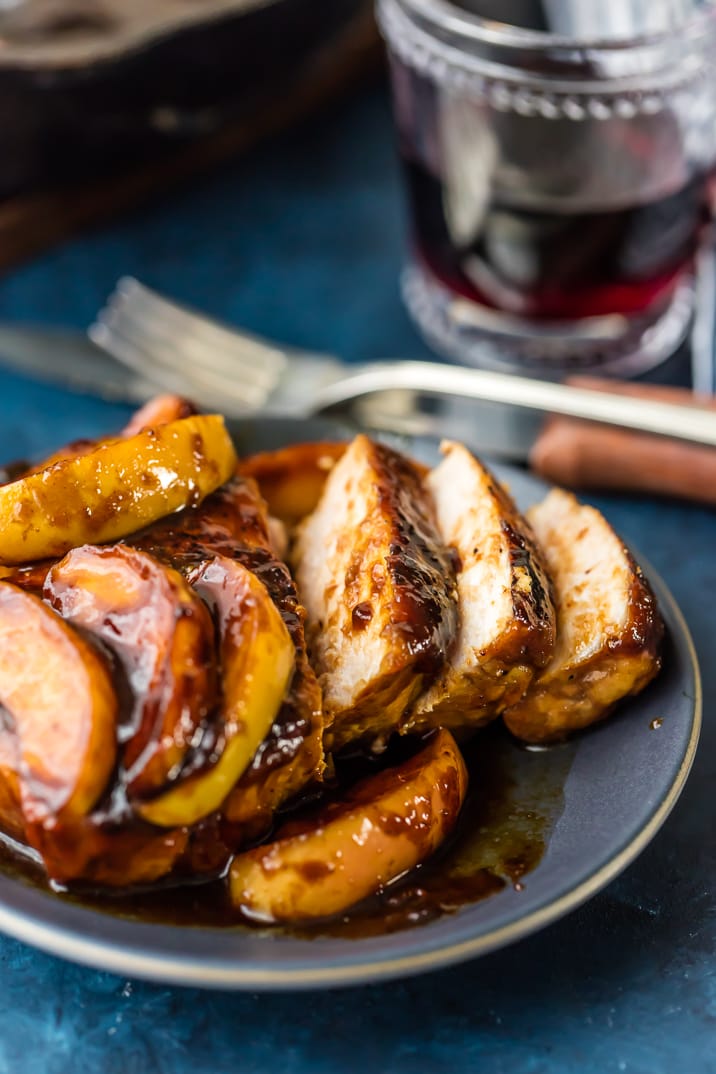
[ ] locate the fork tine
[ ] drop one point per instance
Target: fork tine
(167, 321)
(173, 347)
(191, 354)
(168, 376)
(184, 358)
(144, 324)
(129, 355)
(138, 301)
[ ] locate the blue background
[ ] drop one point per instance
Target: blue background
(303, 241)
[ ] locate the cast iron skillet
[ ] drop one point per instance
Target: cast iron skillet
(88, 86)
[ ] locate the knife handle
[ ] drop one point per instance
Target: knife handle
(589, 456)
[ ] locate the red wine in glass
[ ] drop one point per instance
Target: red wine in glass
(559, 265)
(559, 162)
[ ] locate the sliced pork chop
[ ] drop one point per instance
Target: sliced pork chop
(378, 586)
(507, 619)
(608, 626)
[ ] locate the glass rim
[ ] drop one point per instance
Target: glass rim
(451, 46)
(445, 15)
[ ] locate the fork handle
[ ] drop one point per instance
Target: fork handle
(695, 424)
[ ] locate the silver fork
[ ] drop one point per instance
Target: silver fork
(241, 374)
(186, 352)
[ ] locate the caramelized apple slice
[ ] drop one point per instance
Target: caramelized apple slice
(386, 825)
(257, 659)
(291, 479)
(88, 848)
(163, 637)
(30, 577)
(233, 522)
(159, 410)
(61, 703)
(115, 489)
(92, 850)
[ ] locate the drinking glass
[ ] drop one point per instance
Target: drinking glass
(559, 175)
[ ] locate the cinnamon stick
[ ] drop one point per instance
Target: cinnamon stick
(586, 455)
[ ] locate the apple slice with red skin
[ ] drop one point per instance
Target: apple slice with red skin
(291, 479)
(163, 637)
(257, 659)
(61, 708)
(386, 825)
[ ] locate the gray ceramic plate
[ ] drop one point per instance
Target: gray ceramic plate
(618, 783)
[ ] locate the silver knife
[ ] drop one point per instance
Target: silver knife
(68, 358)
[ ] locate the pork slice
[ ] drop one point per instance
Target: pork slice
(506, 616)
(378, 587)
(608, 625)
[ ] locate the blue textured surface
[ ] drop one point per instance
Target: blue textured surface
(303, 241)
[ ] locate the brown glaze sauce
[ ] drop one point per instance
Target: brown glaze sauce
(646, 627)
(534, 608)
(515, 799)
(425, 609)
(362, 615)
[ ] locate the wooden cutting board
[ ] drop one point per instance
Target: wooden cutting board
(30, 222)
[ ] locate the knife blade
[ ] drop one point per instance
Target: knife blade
(67, 358)
(497, 429)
